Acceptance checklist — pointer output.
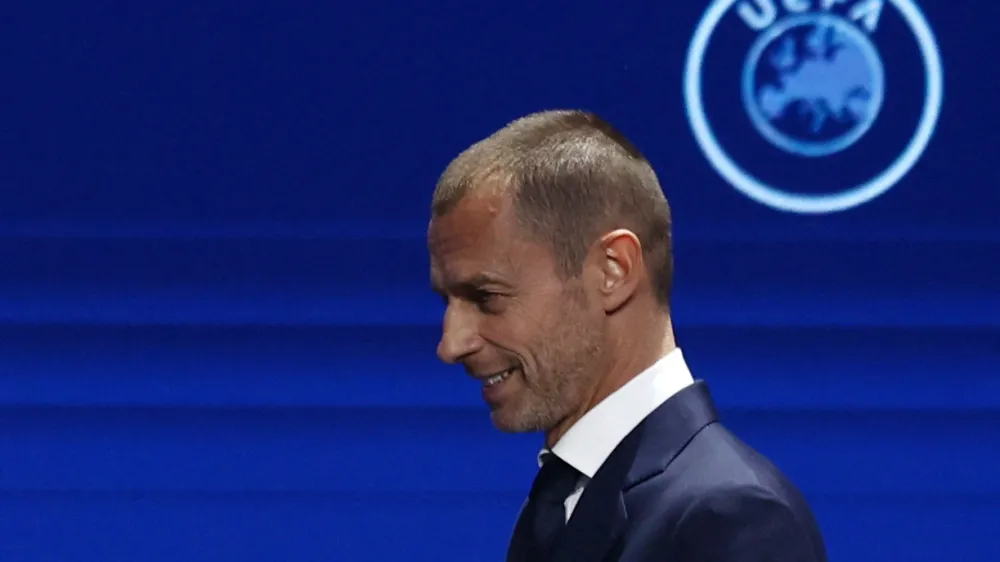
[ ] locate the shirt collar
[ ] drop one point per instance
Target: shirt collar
(592, 439)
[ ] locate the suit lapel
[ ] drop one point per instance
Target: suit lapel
(601, 516)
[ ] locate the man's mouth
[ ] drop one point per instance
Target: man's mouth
(498, 378)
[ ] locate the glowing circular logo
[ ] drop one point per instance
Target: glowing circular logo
(812, 87)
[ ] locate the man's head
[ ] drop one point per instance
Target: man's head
(547, 239)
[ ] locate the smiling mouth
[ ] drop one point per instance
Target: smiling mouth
(498, 378)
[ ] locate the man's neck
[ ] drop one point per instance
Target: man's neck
(630, 358)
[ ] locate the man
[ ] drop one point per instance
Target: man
(550, 242)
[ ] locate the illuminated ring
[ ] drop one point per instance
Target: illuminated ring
(812, 204)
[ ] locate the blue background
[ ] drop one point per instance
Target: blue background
(217, 340)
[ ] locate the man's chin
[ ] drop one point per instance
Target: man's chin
(509, 421)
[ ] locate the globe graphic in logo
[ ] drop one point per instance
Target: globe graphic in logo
(813, 84)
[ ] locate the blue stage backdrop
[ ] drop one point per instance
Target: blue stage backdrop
(216, 333)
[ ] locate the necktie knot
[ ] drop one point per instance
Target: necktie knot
(544, 515)
(555, 481)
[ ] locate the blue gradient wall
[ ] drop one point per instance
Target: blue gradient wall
(217, 340)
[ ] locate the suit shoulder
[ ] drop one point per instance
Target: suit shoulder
(719, 496)
(716, 462)
(747, 523)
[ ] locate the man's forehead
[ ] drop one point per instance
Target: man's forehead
(479, 241)
(469, 244)
(481, 205)
(465, 261)
(475, 220)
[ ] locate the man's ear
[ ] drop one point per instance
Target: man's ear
(619, 262)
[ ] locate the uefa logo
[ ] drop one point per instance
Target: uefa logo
(813, 106)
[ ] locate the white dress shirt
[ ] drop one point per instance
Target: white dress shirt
(592, 439)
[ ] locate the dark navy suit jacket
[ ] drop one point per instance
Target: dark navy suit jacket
(682, 488)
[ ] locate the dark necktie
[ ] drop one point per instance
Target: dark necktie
(545, 512)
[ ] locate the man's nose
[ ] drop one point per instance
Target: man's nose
(459, 337)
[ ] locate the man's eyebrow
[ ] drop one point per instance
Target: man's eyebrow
(481, 279)
(474, 281)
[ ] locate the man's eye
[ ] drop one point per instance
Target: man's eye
(485, 299)
(483, 296)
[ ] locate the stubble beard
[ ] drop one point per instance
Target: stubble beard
(568, 364)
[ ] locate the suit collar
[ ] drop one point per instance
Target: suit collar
(668, 430)
(601, 515)
(592, 439)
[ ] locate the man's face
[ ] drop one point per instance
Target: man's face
(528, 336)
